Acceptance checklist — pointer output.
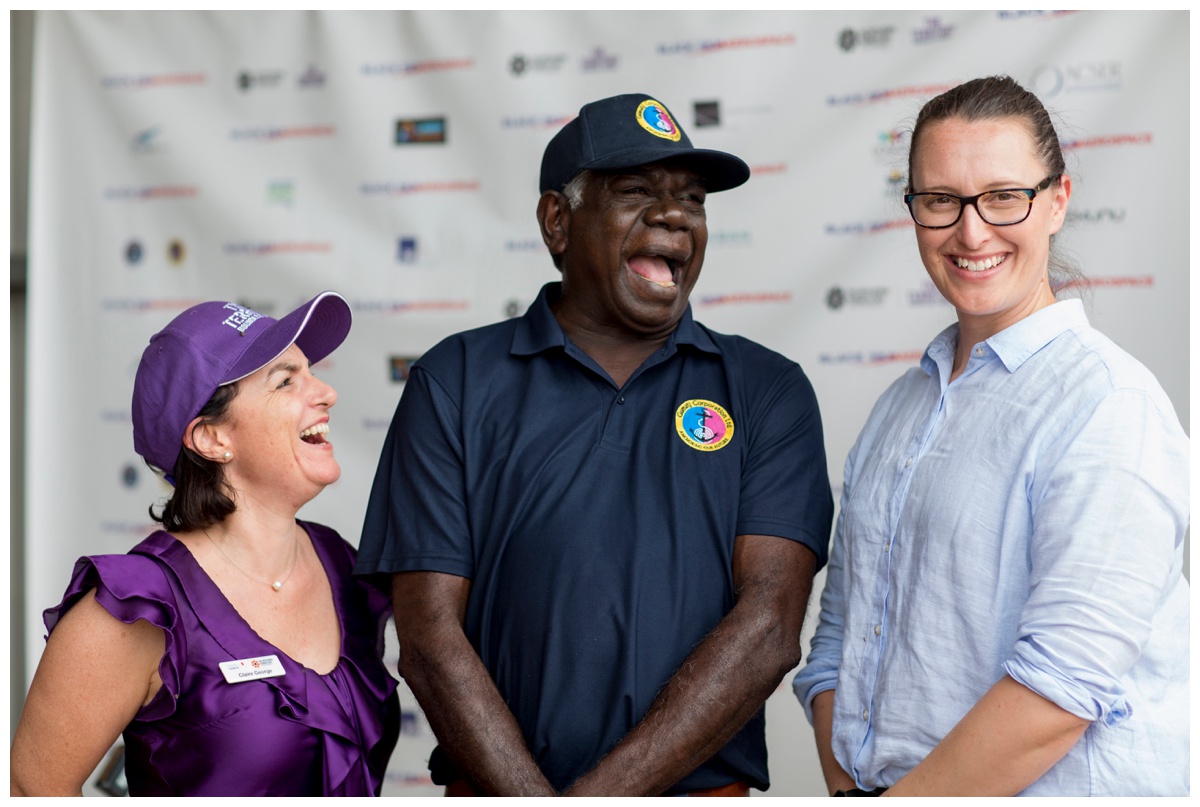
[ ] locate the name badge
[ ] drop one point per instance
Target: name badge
(251, 669)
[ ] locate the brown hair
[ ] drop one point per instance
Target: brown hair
(202, 497)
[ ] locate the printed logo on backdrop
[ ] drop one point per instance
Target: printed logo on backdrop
(145, 81)
(837, 297)
(515, 308)
(706, 46)
(1100, 141)
(925, 91)
(403, 69)
(932, 31)
(408, 188)
(141, 305)
(133, 253)
(1113, 282)
(146, 141)
(261, 249)
(894, 183)
(271, 132)
(867, 228)
(1096, 215)
(392, 307)
(528, 245)
(729, 238)
(892, 146)
(707, 113)
(598, 60)
(420, 130)
(768, 168)
(1050, 80)
(872, 358)
(406, 249)
(879, 37)
(400, 366)
(311, 78)
(521, 64)
(263, 80)
(742, 298)
(281, 192)
(129, 476)
(129, 527)
(535, 121)
(149, 193)
(176, 252)
(926, 295)
(1024, 15)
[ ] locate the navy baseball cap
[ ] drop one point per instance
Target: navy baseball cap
(214, 344)
(629, 130)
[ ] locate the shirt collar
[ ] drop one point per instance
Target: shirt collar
(1016, 343)
(539, 330)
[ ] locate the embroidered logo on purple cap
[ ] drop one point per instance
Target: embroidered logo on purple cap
(654, 118)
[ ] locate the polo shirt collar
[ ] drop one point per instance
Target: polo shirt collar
(538, 330)
(1017, 343)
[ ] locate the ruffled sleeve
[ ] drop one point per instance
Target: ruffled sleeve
(132, 587)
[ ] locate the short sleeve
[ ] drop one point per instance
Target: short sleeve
(417, 512)
(132, 587)
(785, 481)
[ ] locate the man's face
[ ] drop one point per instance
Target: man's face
(634, 248)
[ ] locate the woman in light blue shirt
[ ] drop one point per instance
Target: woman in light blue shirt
(1005, 610)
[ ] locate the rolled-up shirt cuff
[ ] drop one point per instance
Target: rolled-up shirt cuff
(1069, 694)
(809, 683)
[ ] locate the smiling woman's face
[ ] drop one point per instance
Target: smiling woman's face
(993, 276)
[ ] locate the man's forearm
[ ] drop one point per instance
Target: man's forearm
(722, 683)
(469, 717)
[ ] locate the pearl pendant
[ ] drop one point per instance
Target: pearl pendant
(277, 585)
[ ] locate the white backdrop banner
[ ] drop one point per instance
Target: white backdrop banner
(263, 157)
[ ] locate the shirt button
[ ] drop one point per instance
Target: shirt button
(621, 400)
(978, 351)
(866, 715)
(878, 630)
(908, 462)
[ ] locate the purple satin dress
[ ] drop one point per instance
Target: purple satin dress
(299, 734)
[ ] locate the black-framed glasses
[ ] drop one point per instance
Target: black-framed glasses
(999, 208)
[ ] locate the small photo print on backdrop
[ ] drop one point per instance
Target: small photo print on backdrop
(420, 130)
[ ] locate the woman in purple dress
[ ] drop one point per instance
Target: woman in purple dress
(232, 649)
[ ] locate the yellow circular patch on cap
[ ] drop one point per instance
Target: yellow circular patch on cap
(654, 118)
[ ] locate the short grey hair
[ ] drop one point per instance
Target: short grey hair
(573, 190)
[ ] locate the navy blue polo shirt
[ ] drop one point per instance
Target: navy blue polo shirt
(596, 524)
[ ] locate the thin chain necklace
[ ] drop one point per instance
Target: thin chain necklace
(278, 584)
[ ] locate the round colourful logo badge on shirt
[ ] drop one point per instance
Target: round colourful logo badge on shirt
(703, 425)
(654, 118)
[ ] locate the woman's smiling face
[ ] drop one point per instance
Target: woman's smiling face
(993, 276)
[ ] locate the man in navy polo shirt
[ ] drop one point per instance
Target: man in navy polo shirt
(602, 518)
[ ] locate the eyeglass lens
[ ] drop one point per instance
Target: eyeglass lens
(998, 207)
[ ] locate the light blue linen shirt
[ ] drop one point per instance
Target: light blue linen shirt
(1027, 520)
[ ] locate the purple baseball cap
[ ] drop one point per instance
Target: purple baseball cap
(213, 344)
